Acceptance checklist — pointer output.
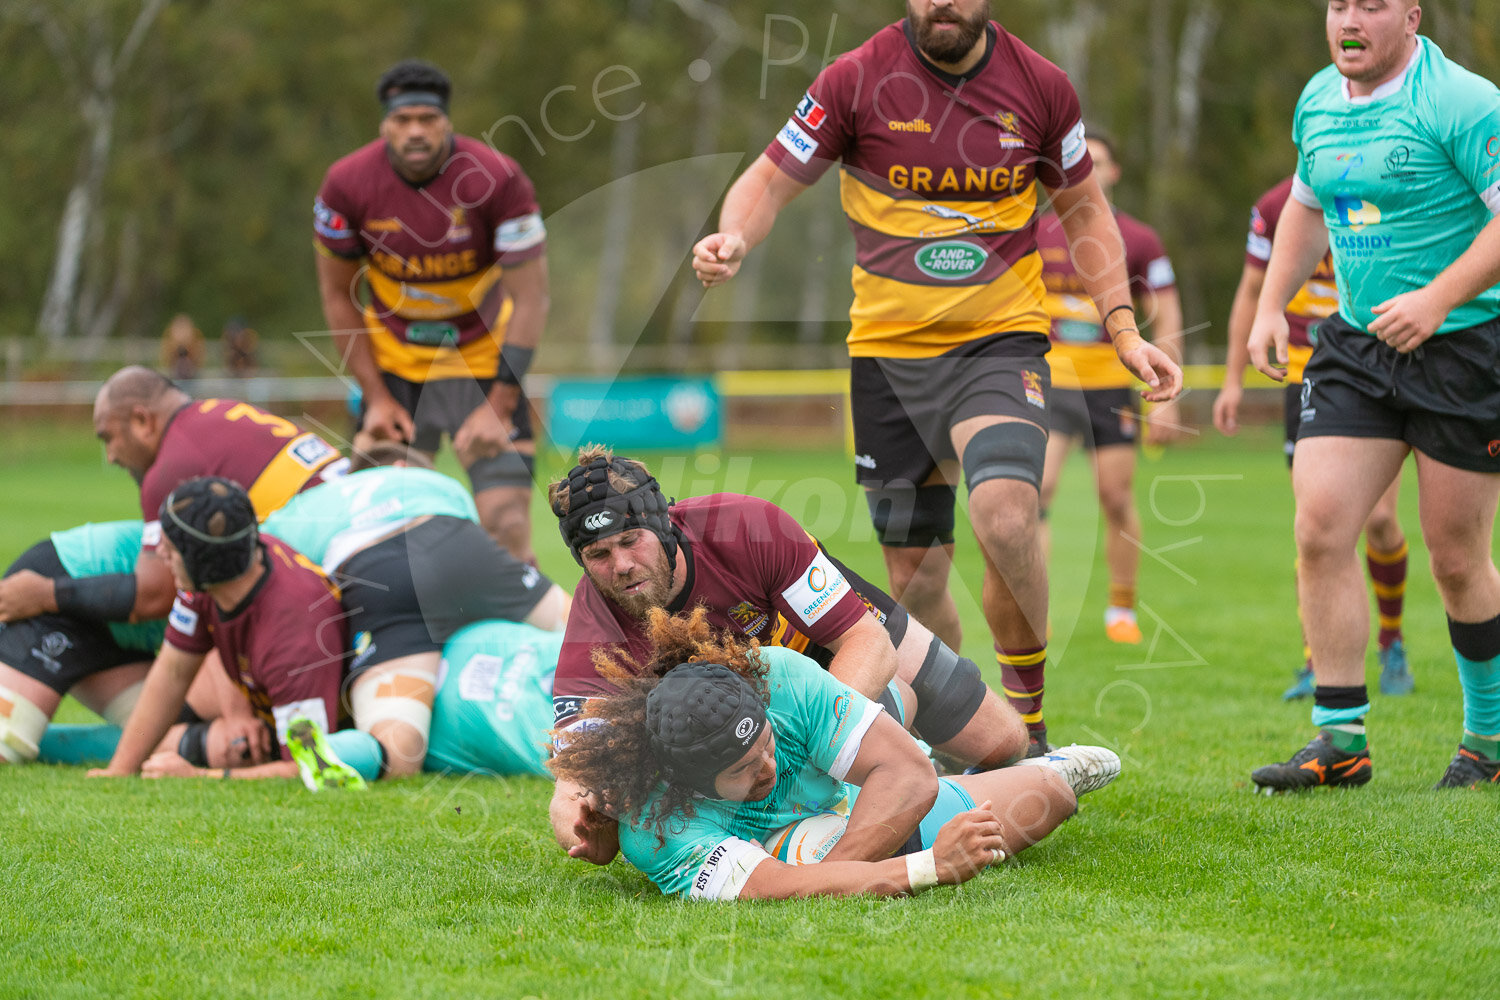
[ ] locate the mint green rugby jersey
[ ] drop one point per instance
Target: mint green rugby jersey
(328, 522)
(818, 724)
(100, 549)
(1406, 179)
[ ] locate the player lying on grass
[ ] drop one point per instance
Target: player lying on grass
(414, 566)
(717, 742)
(101, 663)
(760, 575)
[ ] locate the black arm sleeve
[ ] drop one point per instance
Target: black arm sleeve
(106, 598)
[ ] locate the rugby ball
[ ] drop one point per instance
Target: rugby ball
(807, 841)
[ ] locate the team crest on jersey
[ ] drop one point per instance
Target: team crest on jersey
(811, 112)
(458, 226)
(1032, 383)
(1010, 130)
(750, 619)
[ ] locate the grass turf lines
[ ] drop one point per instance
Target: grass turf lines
(1175, 881)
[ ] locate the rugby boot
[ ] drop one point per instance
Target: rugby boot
(1302, 687)
(1120, 626)
(1395, 673)
(318, 765)
(1319, 763)
(1470, 770)
(1087, 769)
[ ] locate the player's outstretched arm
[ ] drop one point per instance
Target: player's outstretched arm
(1301, 241)
(157, 708)
(965, 846)
(750, 210)
(1241, 316)
(897, 787)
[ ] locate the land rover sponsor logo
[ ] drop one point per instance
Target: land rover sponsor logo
(950, 260)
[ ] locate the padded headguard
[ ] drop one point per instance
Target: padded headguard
(594, 512)
(700, 719)
(212, 523)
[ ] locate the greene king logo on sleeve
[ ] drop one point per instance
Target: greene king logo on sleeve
(1073, 147)
(183, 618)
(818, 588)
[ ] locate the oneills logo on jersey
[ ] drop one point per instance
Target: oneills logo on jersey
(750, 619)
(1010, 130)
(811, 112)
(383, 226)
(915, 125)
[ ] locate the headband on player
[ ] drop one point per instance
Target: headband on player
(700, 719)
(211, 522)
(409, 98)
(593, 512)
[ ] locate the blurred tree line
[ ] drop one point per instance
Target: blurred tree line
(162, 155)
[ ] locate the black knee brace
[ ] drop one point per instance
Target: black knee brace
(1011, 450)
(949, 691)
(509, 468)
(914, 517)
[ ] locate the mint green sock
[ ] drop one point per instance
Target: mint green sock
(1485, 748)
(78, 744)
(359, 750)
(1350, 738)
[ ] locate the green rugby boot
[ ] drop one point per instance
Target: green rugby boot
(319, 766)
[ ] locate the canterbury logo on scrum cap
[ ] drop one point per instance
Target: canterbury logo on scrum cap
(599, 521)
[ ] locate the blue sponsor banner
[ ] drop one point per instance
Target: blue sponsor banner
(635, 412)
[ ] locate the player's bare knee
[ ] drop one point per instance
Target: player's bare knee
(1455, 568)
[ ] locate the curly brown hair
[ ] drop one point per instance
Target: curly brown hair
(610, 753)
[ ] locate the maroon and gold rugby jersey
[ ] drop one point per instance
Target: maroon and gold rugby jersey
(1316, 300)
(1082, 355)
(939, 178)
(271, 457)
(436, 251)
(757, 571)
(284, 646)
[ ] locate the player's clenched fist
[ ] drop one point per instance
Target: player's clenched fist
(717, 258)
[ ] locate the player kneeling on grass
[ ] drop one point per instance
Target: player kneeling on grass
(272, 615)
(718, 743)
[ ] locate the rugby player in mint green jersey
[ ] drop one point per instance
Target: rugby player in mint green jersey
(717, 742)
(1399, 174)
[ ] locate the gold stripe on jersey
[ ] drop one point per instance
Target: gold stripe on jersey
(1087, 366)
(479, 358)
(918, 218)
(1315, 300)
(282, 477)
(1297, 358)
(432, 299)
(894, 319)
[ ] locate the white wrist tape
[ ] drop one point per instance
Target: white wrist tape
(921, 871)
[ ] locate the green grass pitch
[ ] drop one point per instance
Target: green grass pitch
(1174, 882)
